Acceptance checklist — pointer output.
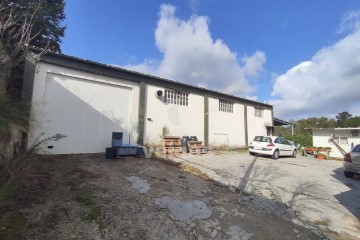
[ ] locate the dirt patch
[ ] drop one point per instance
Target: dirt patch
(89, 197)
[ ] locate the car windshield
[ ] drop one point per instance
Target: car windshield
(262, 139)
(356, 148)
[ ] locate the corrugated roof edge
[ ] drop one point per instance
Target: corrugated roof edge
(47, 57)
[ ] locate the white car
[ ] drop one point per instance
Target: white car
(272, 146)
(352, 162)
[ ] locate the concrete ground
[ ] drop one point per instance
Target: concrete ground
(310, 192)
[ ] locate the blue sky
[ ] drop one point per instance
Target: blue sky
(292, 54)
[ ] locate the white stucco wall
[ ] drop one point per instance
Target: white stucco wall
(226, 128)
(257, 125)
(45, 71)
(180, 120)
(321, 139)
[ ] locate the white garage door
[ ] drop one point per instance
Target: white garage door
(86, 112)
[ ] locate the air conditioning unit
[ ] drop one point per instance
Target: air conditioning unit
(160, 94)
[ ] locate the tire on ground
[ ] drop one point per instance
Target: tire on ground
(275, 154)
(348, 174)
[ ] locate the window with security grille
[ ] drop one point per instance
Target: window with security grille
(226, 106)
(259, 112)
(176, 97)
(341, 140)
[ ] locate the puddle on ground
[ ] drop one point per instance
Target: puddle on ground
(184, 211)
(140, 184)
(237, 233)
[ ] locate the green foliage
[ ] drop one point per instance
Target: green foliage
(341, 118)
(11, 225)
(302, 139)
(13, 111)
(303, 127)
(17, 170)
(27, 24)
(45, 17)
(85, 198)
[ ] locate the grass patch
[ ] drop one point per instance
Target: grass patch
(52, 219)
(321, 223)
(194, 171)
(11, 226)
(94, 214)
(5, 195)
(85, 198)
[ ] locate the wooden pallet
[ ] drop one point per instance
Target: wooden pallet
(171, 144)
(196, 147)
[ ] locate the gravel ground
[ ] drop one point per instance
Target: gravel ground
(89, 197)
(311, 193)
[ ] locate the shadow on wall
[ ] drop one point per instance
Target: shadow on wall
(85, 114)
(349, 199)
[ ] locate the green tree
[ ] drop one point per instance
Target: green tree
(352, 122)
(25, 23)
(42, 18)
(341, 118)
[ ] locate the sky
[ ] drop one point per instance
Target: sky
(301, 56)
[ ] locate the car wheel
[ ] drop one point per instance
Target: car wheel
(252, 154)
(275, 154)
(294, 154)
(348, 174)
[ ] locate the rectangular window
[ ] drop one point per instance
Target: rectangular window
(259, 112)
(343, 140)
(226, 106)
(176, 97)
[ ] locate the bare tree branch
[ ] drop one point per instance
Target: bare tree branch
(16, 30)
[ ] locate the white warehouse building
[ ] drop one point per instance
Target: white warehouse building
(87, 101)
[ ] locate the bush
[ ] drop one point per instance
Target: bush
(17, 169)
(16, 112)
(302, 139)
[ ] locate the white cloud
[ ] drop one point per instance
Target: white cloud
(194, 4)
(325, 85)
(350, 22)
(254, 64)
(191, 55)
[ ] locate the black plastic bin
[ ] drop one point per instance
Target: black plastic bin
(184, 144)
(110, 153)
(117, 139)
(193, 138)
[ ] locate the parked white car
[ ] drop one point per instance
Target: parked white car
(272, 146)
(352, 162)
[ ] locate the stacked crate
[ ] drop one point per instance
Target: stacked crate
(196, 147)
(171, 144)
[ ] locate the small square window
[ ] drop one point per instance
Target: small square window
(259, 112)
(226, 106)
(176, 97)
